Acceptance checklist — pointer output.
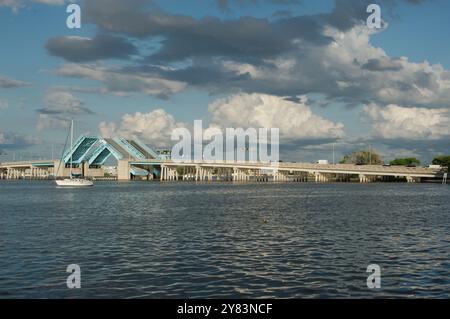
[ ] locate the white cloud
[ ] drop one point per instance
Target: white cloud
(15, 5)
(349, 68)
(295, 120)
(60, 106)
(119, 82)
(411, 123)
(154, 127)
(7, 83)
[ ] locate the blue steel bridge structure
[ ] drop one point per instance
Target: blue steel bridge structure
(96, 150)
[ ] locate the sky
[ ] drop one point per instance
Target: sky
(313, 69)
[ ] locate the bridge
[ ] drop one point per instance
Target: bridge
(137, 160)
(295, 172)
(87, 157)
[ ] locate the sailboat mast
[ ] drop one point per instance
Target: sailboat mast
(71, 147)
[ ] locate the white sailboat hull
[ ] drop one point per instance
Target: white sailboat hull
(75, 182)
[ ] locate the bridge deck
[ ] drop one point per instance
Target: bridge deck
(306, 167)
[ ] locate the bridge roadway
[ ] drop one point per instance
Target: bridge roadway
(284, 171)
(43, 169)
(236, 171)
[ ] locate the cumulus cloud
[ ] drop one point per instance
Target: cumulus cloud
(8, 83)
(82, 49)
(60, 107)
(349, 69)
(295, 120)
(122, 82)
(154, 127)
(410, 123)
(327, 53)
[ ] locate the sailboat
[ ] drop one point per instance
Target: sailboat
(73, 182)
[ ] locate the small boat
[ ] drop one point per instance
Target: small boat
(73, 182)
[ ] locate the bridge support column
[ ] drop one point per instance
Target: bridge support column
(192, 172)
(321, 178)
(197, 173)
(161, 173)
(410, 179)
(210, 175)
(364, 179)
(123, 170)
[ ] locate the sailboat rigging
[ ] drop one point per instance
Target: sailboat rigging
(73, 182)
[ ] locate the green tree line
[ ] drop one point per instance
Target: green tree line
(367, 157)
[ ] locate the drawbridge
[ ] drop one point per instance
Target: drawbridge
(97, 150)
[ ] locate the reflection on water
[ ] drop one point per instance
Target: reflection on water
(152, 240)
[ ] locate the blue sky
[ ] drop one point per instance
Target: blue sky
(400, 106)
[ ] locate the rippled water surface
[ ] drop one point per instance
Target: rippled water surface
(153, 240)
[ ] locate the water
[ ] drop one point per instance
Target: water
(187, 240)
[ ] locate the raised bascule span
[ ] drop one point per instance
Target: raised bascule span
(136, 160)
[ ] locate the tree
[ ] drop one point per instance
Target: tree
(363, 157)
(442, 160)
(405, 161)
(180, 170)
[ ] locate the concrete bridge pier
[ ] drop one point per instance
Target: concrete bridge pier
(235, 174)
(366, 179)
(168, 173)
(276, 176)
(206, 174)
(13, 173)
(240, 175)
(187, 172)
(172, 174)
(410, 179)
(260, 177)
(225, 174)
(297, 177)
(321, 178)
(343, 178)
(199, 174)
(280, 176)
